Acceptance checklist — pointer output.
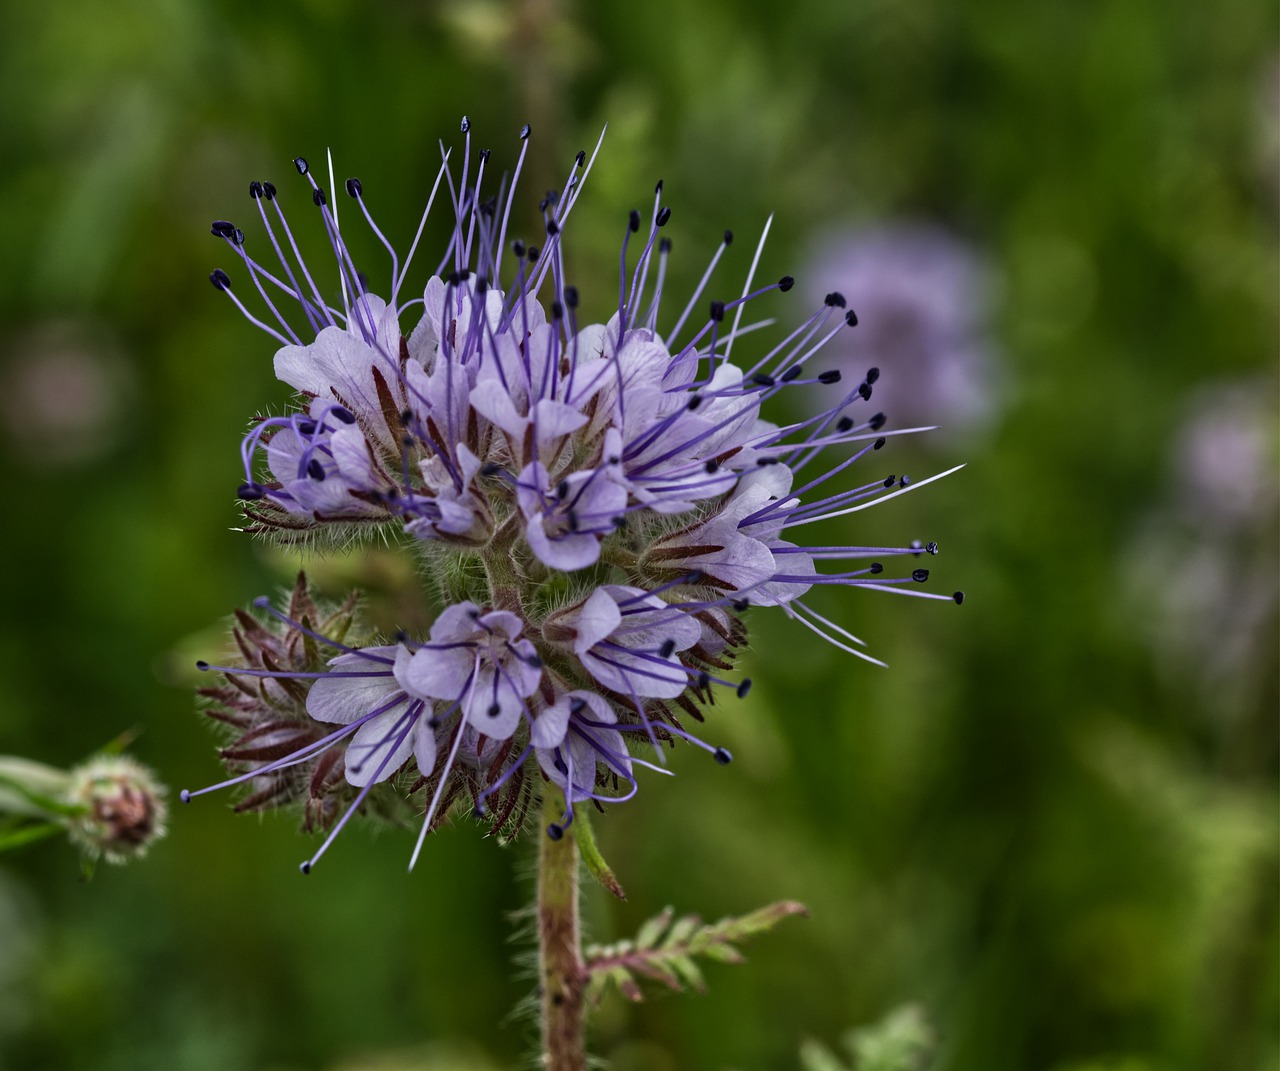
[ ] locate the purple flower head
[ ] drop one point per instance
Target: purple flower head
(598, 504)
(924, 301)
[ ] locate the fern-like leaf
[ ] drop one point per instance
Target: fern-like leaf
(665, 950)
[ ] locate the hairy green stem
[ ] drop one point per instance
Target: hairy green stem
(561, 977)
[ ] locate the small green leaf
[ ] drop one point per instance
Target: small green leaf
(596, 866)
(29, 834)
(682, 931)
(652, 930)
(689, 972)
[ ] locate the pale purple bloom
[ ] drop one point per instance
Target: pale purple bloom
(478, 661)
(925, 300)
(1201, 574)
(615, 485)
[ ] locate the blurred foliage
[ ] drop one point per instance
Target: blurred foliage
(1028, 826)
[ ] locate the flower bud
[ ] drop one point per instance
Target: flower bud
(124, 808)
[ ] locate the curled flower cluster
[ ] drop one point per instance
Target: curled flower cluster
(596, 503)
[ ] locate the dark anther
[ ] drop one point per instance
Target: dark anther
(571, 296)
(202, 665)
(931, 548)
(658, 187)
(269, 191)
(301, 164)
(877, 422)
(466, 123)
(786, 283)
(406, 415)
(354, 187)
(494, 710)
(694, 402)
(401, 635)
(317, 195)
(834, 300)
(517, 247)
(220, 279)
(562, 490)
(876, 568)
(697, 576)
(728, 237)
(525, 131)
(222, 228)
(490, 468)
(851, 318)
(744, 687)
(958, 596)
(484, 155)
(482, 285)
(879, 443)
(919, 575)
(572, 518)
(343, 415)
(905, 481)
(534, 660)
(553, 227)
(577, 705)
(864, 391)
(237, 237)
(464, 275)
(633, 221)
(791, 373)
(533, 254)
(762, 461)
(668, 646)
(250, 492)
(830, 376)
(704, 679)
(554, 831)
(889, 481)
(305, 868)
(762, 380)
(664, 245)
(185, 795)
(255, 189)
(581, 158)
(557, 310)
(453, 278)
(664, 214)
(740, 604)
(306, 427)
(844, 423)
(872, 374)
(722, 756)
(711, 466)
(314, 469)
(619, 521)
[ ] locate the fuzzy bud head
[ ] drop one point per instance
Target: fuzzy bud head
(125, 808)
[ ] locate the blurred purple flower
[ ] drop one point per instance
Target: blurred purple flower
(924, 303)
(1202, 573)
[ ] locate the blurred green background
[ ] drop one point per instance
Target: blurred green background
(1052, 824)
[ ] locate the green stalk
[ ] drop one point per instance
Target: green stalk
(560, 971)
